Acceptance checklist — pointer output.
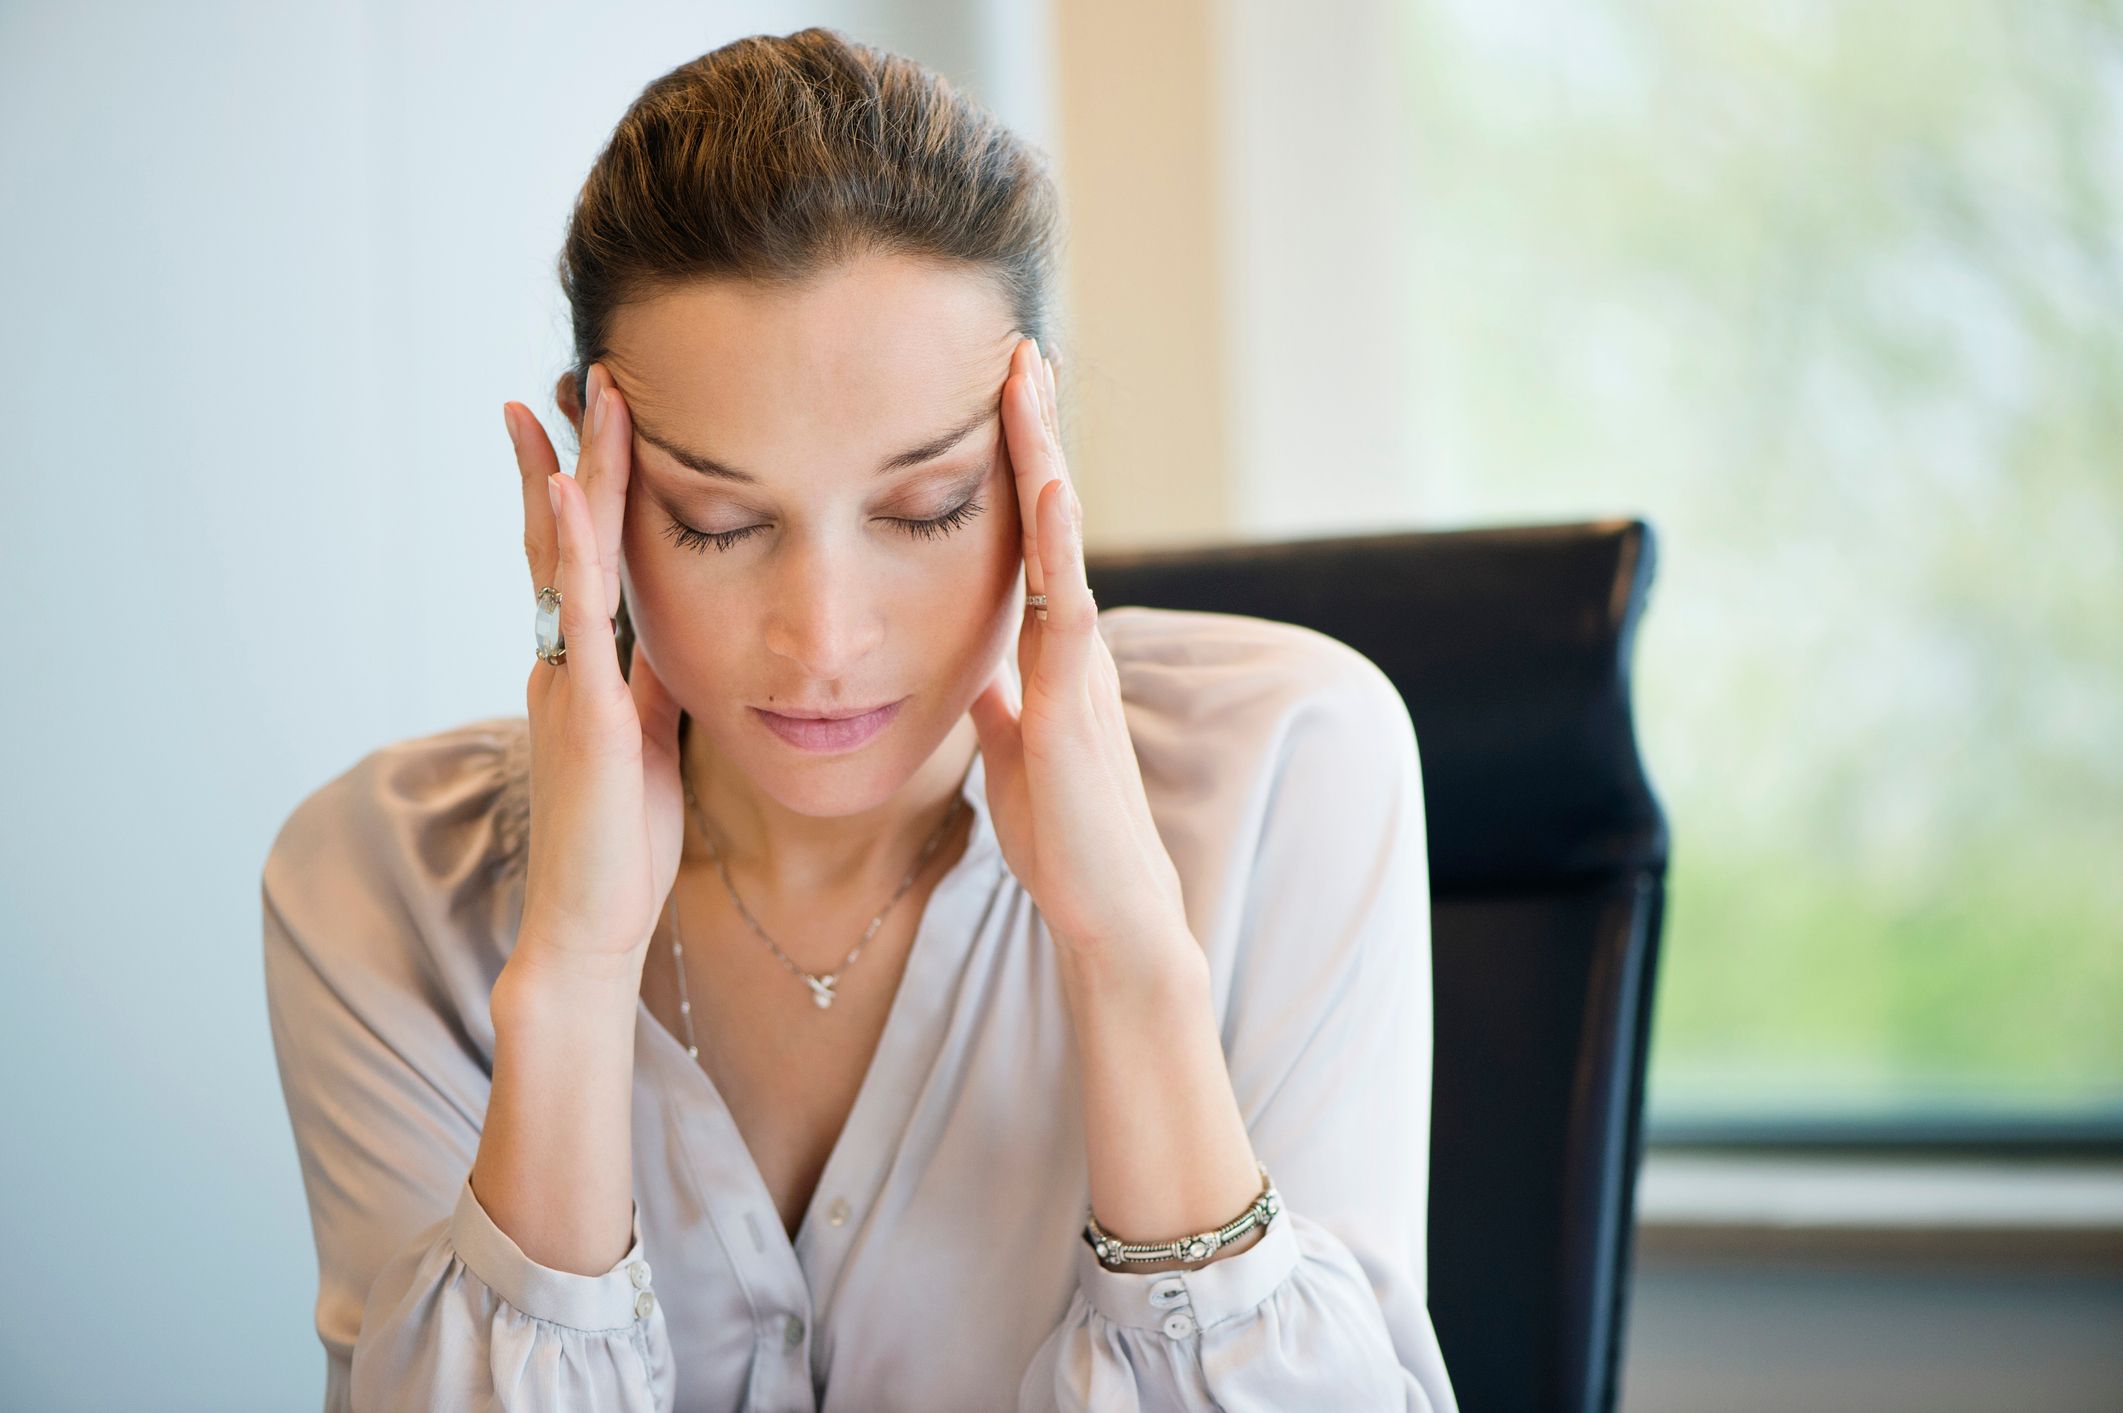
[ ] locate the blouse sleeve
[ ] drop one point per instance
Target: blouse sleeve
(1328, 1041)
(374, 895)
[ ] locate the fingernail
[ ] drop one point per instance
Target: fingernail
(552, 494)
(597, 414)
(509, 422)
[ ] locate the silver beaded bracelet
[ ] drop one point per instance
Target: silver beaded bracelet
(1114, 1253)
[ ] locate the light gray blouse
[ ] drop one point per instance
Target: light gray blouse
(940, 1265)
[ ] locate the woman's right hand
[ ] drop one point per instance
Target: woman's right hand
(606, 807)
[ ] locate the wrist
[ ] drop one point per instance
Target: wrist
(1151, 975)
(540, 977)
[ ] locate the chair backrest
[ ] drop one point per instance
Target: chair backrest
(1511, 646)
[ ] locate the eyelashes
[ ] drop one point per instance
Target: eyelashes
(941, 525)
(700, 541)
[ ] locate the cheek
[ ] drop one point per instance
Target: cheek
(959, 600)
(955, 584)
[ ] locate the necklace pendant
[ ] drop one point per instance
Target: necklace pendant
(821, 991)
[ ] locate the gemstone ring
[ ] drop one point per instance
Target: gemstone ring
(552, 647)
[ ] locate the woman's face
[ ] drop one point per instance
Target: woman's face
(788, 448)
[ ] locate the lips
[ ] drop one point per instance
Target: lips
(832, 733)
(825, 714)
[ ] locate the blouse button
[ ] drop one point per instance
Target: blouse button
(792, 1333)
(1168, 1292)
(639, 1274)
(1179, 1324)
(643, 1304)
(837, 1214)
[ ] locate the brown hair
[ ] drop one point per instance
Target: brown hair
(774, 158)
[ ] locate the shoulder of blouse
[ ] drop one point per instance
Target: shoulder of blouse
(466, 782)
(1194, 676)
(429, 830)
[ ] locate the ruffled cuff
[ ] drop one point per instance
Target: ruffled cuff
(619, 1297)
(1177, 1303)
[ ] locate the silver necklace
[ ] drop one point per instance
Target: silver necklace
(822, 992)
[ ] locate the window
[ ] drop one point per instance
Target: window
(1833, 295)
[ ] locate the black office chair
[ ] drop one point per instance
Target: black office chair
(1511, 646)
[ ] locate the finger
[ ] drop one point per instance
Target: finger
(1031, 456)
(1072, 618)
(534, 462)
(603, 468)
(585, 621)
(1052, 398)
(1028, 639)
(1048, 399)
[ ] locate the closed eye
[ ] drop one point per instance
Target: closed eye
(934, 528)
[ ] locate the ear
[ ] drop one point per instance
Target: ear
(564, 393)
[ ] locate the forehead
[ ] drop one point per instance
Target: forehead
(857, 363)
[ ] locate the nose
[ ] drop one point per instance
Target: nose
(825, 617)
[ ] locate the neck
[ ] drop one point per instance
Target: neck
(787, 854)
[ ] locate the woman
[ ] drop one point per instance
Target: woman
(847, 987)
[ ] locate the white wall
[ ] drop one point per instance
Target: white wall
(1242, 204)
(270, 272)
(1318, 203)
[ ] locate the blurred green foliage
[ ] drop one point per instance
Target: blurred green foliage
(1833, 295)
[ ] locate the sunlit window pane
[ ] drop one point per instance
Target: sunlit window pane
(1833, 295)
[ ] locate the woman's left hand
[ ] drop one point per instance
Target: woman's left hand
(1064, 790)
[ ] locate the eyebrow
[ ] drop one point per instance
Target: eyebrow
(913, 456)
